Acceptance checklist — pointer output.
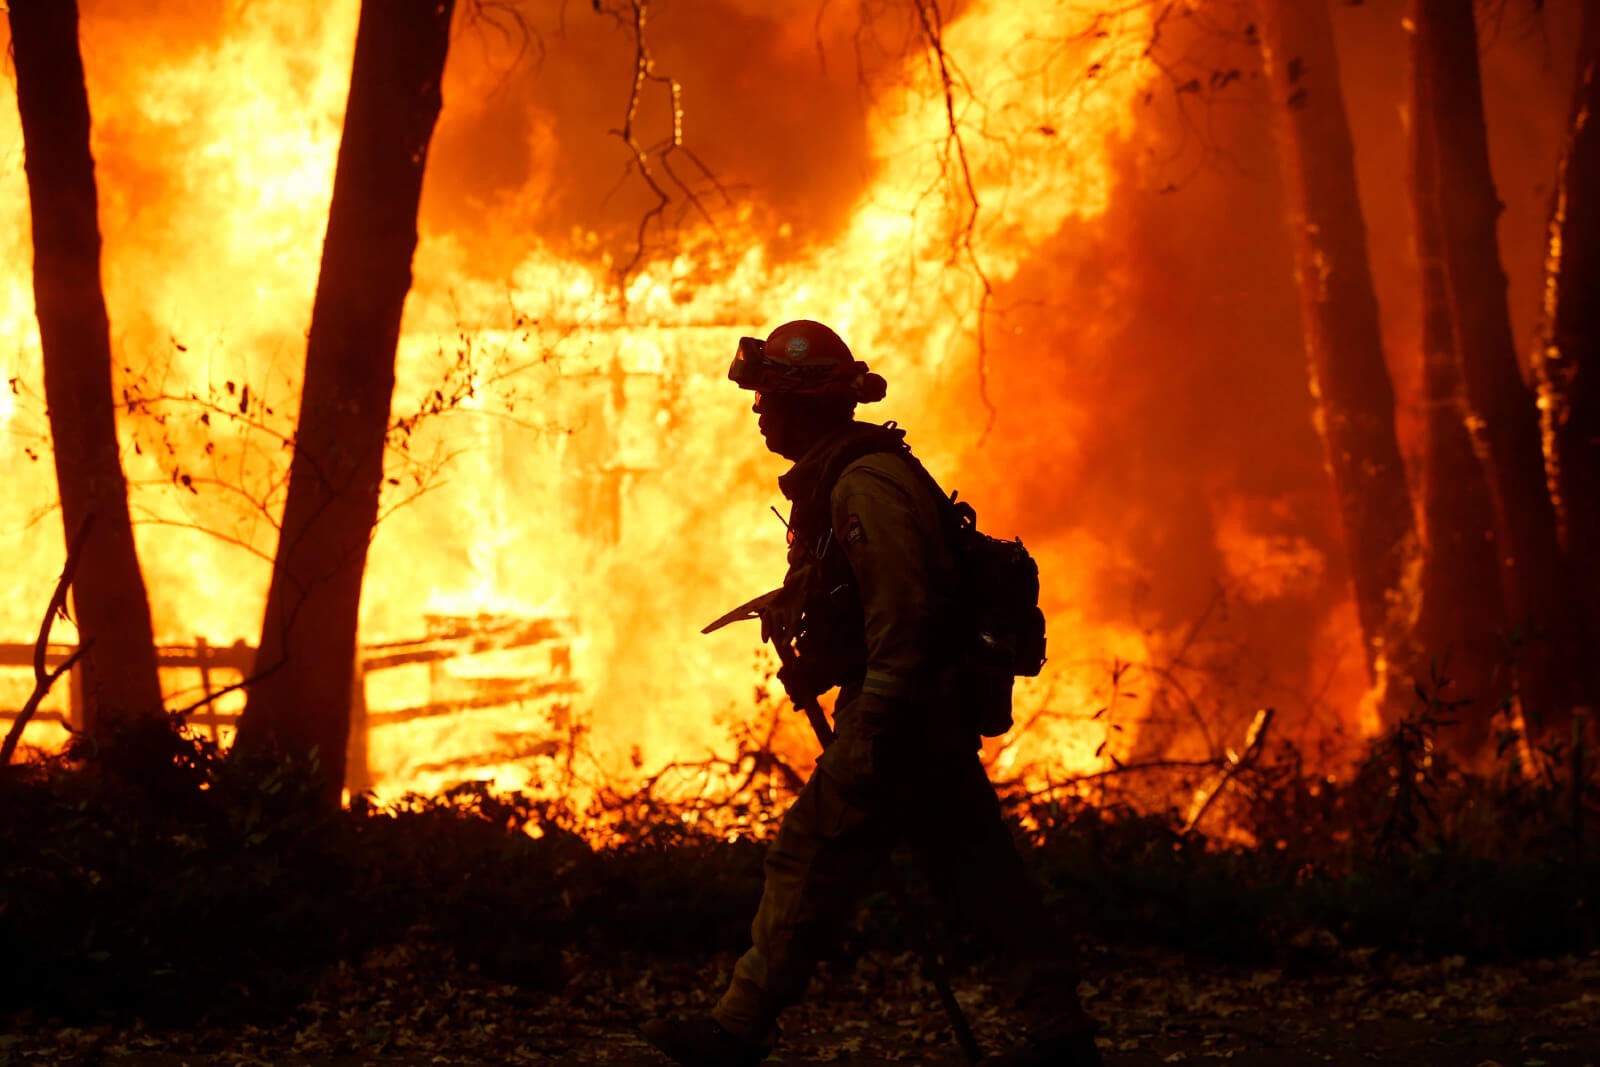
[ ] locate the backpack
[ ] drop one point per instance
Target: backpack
(998, 631)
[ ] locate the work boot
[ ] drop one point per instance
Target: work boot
(700, 1042)
(1075, 1050)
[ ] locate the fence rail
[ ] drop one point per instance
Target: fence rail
(449, 637)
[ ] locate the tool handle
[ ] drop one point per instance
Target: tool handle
(807, 704)
(819, 721)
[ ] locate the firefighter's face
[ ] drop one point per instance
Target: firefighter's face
(791, 423)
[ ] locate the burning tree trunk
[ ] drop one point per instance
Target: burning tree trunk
(1504, 420)
(300, 700)
(1461, 616)
(113, 611)
(1568, 358)
(1349, 377)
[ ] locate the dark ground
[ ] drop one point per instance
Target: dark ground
(1157, 1007)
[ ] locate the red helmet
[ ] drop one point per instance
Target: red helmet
(804, 357)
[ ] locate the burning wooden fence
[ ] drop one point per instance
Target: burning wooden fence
(544, 671)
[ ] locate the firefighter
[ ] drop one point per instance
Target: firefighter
(871, 595)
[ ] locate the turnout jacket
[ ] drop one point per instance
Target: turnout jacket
(869, 539)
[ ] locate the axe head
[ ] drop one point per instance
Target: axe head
(750, 609)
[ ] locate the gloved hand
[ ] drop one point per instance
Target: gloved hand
(780, 622)
(801, 681)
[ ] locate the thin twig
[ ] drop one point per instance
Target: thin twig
(1118, 771)
(150, 518)
(1254, 741)
(932, 23)
(636, 19)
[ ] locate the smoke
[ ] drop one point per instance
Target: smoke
(772, 128)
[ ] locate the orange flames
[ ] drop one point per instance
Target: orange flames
(568, 449)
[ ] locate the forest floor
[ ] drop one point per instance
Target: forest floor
(414, 1006)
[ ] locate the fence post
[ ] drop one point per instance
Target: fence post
(202, 658)
(75, 696)
(357, 771)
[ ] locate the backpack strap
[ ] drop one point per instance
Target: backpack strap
(959, 516)
(811, 517)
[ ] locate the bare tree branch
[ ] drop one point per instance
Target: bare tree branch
(43, 680)
(634, 16)
(932, 24)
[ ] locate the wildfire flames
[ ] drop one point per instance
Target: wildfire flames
(567, 452)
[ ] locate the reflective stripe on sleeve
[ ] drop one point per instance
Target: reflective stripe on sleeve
(883, 684)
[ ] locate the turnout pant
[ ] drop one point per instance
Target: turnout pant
(874, 787)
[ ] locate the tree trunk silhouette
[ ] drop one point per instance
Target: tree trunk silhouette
(1503, 416)
(299, 703)
(1461, 620)
(1349, 378)
(120, 676)
(1568, 357)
